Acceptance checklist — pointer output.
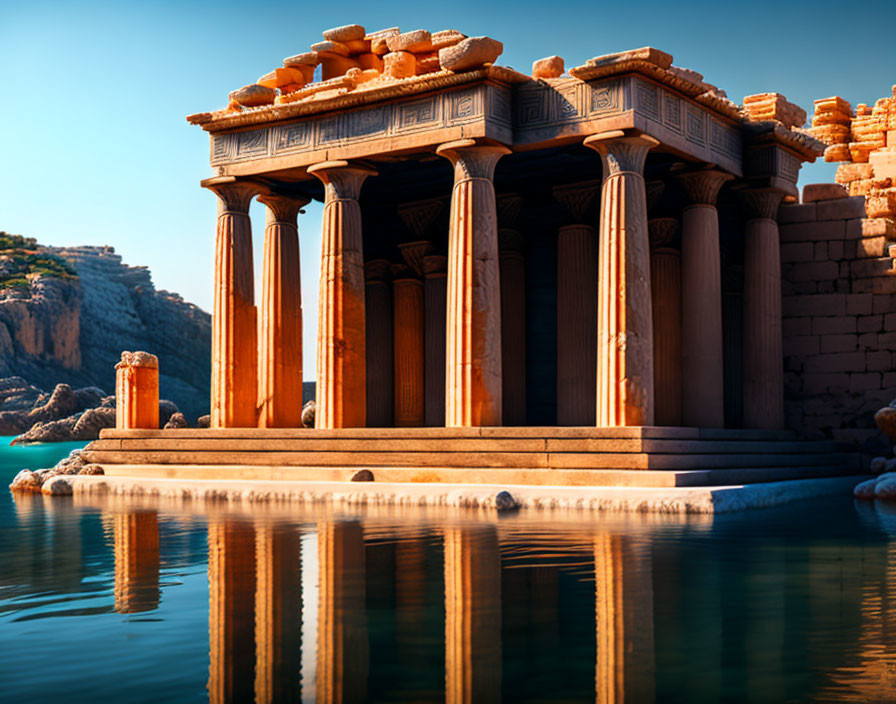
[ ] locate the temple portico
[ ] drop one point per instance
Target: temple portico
(493, 254)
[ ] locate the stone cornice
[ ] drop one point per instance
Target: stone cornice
(773, 132)
(221, 120)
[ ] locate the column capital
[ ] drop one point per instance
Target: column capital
(510, 240)
(577, 198)
(283, 207)
(509, 206)
(435, 265)
(621, 151)
(235, 194)
(341, 179)
(761, 203)
(419, 215)
(662, 232)
(377, 271)
(413, 253)
(654, 190)
(703, 185)
(403, 273)
(472, 158)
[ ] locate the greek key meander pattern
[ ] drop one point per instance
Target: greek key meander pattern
(521, 114)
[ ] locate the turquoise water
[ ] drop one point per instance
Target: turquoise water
(120, 601)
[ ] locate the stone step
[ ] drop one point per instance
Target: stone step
(481, 475)
(522, 460)
(477, 444)
(587, 432)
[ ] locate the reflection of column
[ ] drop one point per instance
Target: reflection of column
(410, 599)
(341, 355)
(576, 307)
(624, 319)
(665, 292)
(280, 329)
(473, 384)
(701, 302)
(136, 561)
(407, 316)
(378, 307)
(231, 611)
(472, 615)
(342, 641)
(435, 295)
(278, 614)
(624, 620)
(763, 386)
(234, 331)
(511, 244)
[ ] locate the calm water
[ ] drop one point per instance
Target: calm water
(142, 603)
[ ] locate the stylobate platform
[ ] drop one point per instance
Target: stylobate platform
(527, 456)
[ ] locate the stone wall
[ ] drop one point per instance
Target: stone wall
(839, 312)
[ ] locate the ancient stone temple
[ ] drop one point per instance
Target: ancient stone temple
(503, 254)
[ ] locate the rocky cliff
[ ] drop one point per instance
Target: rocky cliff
(69, 323)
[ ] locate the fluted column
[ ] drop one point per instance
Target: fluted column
(136, 561)
(379, 342)
(278, 613)
(473, 386)
(231, 612)
(341, 354)
(577, 285)
(435, 293)
(472, 615)
(234, 327)
(624, 319)
(280, 346)
(343, 656)
(407, 294)
(665, 292)
(512, 267)
(702, 369)
(762, 343)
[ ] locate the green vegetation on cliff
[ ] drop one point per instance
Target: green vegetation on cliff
(22, 258)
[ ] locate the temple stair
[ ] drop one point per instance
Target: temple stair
(644, 456)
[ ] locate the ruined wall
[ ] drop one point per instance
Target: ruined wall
(839, 312)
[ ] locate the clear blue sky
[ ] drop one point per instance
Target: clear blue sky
(94, 148)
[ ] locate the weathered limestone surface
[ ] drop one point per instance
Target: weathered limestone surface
(280, 348)
(762, 336)
(624, 319)
(137, 391)
(473, 386)
(341, 353)
(701, 302)
(234, 323)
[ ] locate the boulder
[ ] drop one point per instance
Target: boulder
(416, 42)
(92, 469)
(885, 488)
(57, 486)
(253, 95)
(549, 67)
(176, 420)
(13, 422)
(878, 465)
(49, 431)
(92, 421)
(166, 410)
(865, 490)
(470, 53)
(362, 475)
(504, 501)
(204, 422)
(308, 411)
(445, 38)
(71, 464)
(62, 403)
(886, 421)
(90, 397)
(346, 33)
(25, 481)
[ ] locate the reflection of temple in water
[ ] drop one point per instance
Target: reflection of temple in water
(481, 612)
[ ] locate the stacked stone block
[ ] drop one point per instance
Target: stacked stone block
(839, 308)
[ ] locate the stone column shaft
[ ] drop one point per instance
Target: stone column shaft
(624, 319)
(435, 293)
(379, 344)
(280, 344)
(407, 294)
(234, 323)
(341, 353)
(513, 335)
(473, 386)
(665, 291)
(762, 336)
(703, 403)
(137, 391)
(577, 286)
